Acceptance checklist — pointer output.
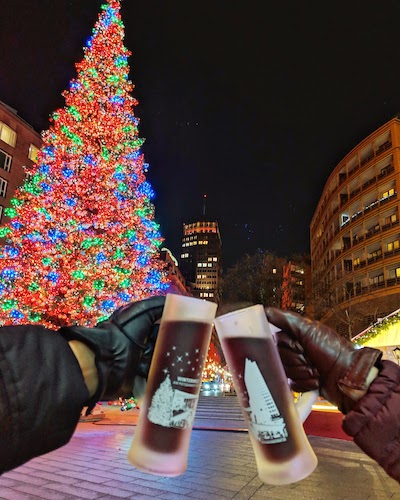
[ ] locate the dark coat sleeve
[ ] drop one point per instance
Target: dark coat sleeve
(375, 422)
(42, 393)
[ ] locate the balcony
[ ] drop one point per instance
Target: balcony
(383, 147)
(389, 225)
(392, 252)
(369, 289)
(367, 159)
(386, 171)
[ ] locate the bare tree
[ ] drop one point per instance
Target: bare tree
(254, 279)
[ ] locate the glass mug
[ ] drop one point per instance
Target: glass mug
(161, 441)
(282, 451)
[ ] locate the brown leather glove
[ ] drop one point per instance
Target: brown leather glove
(315, 356)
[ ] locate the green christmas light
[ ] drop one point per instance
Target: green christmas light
(34, 317)
(88, 301)
(4, 231)
(9, 304)
(10, 212)
(78, 275)
(98, 284)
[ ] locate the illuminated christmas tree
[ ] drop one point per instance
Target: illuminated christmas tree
(82, 239)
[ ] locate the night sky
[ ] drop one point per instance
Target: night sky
(252, 102)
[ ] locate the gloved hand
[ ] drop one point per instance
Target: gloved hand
(315, 356)
(123, 346)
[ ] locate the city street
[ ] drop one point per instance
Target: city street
(221, 465)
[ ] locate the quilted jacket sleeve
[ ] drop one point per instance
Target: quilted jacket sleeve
(42, 393)
(375, 422)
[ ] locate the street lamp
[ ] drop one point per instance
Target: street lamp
(396, 352)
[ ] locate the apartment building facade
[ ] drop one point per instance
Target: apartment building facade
(19, 145)
(355, 235)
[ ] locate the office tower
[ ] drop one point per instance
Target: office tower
(355, 235)
(201, 258)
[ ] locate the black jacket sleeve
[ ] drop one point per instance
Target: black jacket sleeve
(374, 422)
(42, 393)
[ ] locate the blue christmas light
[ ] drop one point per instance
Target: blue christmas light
(146, 190)
(71, 202)
(16, 224)
(11, 252)
(44, 169)
(100, 257)
(56, 234)
(108, 304)
(119, 176)
(153, 278)
(49, 150)
(9, 273)
(142, 260)
(67, 172)
(53, 276)
(90, 160)
(75, 85)
(46, 188)
(119, 195)
(116, 99)
(15, 314)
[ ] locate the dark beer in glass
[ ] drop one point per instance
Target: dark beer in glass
(282, 451)
(162, 437)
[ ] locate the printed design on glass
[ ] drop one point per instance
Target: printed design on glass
(171, 406)
(263, 417)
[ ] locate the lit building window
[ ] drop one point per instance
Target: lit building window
(8, 135)
(393, 245)
(33, 152)
(388, 193)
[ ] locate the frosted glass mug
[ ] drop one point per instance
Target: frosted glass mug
(281, 448)
(161, 441)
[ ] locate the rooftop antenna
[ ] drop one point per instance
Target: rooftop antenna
(204, 205)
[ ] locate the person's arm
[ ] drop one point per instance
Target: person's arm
(365, 388)
(374, 423)
(86, 360)
(47, 377)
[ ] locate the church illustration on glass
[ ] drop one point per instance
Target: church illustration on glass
(171, 407)
(264, 419)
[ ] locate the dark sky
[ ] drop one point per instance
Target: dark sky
(250, 101)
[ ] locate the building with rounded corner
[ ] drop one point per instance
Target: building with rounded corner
(355, 235)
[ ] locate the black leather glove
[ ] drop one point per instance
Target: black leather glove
(315, 356)
(123, 346)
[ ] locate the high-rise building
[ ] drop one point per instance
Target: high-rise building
(296, 286)
(355, 235)
(200, 260)
(19, 145)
